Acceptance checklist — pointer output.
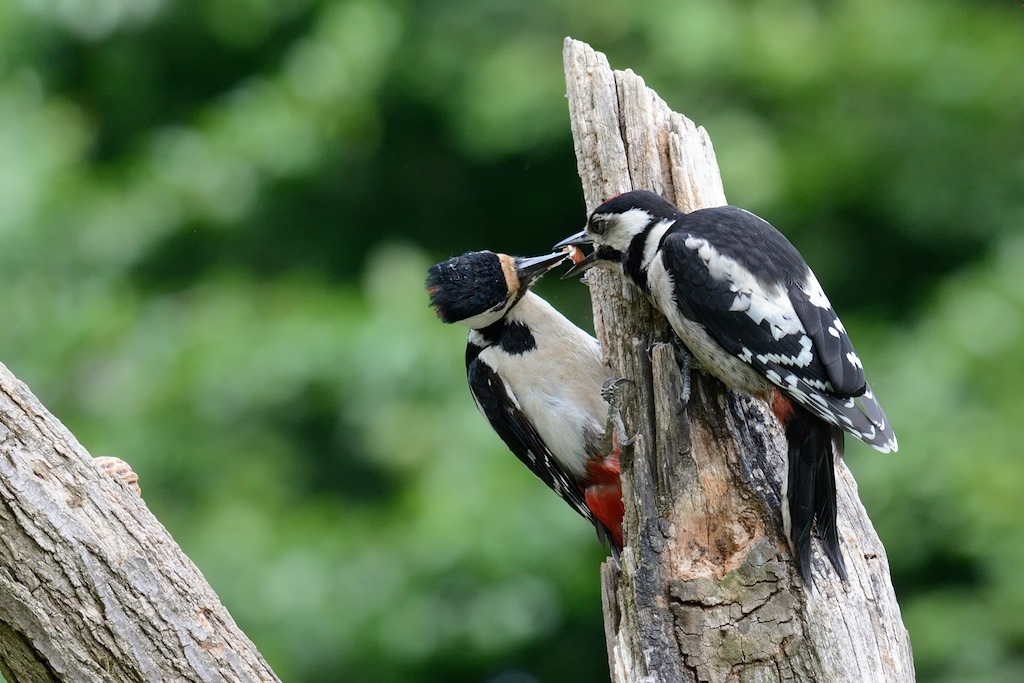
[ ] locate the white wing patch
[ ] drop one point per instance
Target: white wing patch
(736, 372)
(759, 300)
(816, 295)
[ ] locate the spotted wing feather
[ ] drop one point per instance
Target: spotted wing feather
(832, 345)
(860, 416)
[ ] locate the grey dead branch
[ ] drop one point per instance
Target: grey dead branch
(707, 591)
(92, 587)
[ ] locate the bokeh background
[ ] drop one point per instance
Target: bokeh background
(215, 221)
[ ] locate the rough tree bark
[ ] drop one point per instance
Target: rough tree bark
(707, 589)
(92, 587)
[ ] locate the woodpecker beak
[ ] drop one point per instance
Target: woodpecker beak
(582, 266)
(572, 240)
(531, 269)
(584, 263)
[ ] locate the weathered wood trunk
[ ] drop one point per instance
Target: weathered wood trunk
(707, 589)
(92, 587)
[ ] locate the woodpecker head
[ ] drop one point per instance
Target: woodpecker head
(615, 224)
(478, 288)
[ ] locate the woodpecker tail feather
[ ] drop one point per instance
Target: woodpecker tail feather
(809, 493)
(825, 508)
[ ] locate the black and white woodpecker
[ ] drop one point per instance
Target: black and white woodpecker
(537, 378)
(743, 301)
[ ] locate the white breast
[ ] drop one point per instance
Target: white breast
(558, 384)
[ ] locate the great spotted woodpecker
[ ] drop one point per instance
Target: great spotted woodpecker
(537, 378)
(742, 299)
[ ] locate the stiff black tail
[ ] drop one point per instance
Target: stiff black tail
(810, 494)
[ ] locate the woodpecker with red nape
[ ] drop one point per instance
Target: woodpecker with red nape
(537, 378)
(745, 303)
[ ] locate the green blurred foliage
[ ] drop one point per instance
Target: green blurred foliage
(215, 219)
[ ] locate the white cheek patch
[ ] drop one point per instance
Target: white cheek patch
(622, 228)
(759, 301)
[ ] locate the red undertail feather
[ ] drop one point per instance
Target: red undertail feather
(604, 494)
(783, 408)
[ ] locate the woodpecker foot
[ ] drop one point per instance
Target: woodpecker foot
(687, 363)
(611, 391)
(618, 441)
(119, 469)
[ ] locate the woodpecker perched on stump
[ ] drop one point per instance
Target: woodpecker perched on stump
(741, 298)
(537, 378)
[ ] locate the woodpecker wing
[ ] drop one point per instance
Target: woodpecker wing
(788, 333)
(832, 346)
(499, 405)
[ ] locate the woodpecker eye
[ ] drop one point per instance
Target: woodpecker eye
(598, 224)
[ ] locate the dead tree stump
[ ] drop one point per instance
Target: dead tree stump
(707, 590)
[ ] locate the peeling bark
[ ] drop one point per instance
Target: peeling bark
(92, 587)
(708, 590)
